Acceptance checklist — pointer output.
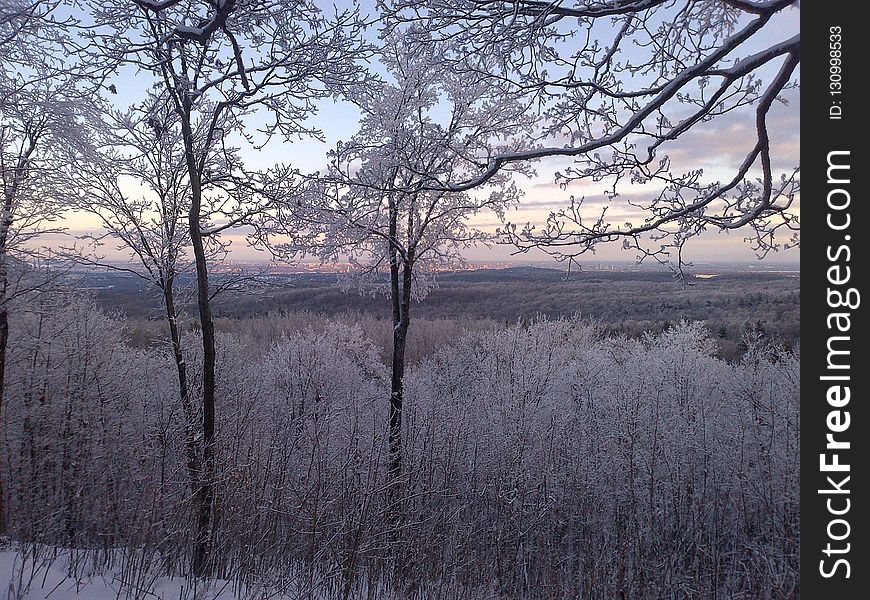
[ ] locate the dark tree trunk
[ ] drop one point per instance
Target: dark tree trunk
(400, 334)
(190, 412)
(5, 226)
(204, 496)
(400, 287)
(4, 340)
(400, 337)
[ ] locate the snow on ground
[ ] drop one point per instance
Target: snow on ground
(60, 577)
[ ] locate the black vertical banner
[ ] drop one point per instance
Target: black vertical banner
(834, 448)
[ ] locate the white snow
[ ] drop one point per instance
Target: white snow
(189, 30)
(61, 577)
(64, 574)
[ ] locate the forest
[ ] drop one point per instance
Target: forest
(730, 305)
(540, 461)
(177, 423)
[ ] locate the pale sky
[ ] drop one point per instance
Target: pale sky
(716, 147)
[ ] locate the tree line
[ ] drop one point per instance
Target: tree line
(541, 461)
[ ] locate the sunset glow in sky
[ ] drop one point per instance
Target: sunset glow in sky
(716, 147)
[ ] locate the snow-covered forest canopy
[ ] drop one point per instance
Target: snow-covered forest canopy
(544, 461)
(550, 458)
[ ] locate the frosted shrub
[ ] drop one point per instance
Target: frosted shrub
(565, 461)
(82, 436)
(298, 444)
(541, 461)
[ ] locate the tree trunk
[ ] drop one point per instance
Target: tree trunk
(190, 413)
(401, 300)
(5, 225)
(204, 496)
(400, 334)
(4, 340)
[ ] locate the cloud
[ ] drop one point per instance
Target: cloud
(723, 143)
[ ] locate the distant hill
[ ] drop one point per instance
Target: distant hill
(628, 301)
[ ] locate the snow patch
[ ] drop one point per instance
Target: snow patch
(58, 574)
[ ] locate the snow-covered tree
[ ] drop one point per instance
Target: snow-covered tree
(43, 98)
(80, 435)
(422, 123)
(136, 185)
(214, 64)
(604, 464)
(628, 90)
